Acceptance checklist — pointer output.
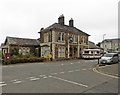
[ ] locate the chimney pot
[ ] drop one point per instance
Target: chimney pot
(71, 22)
(61, 19)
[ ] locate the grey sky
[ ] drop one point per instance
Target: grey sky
(24, 18)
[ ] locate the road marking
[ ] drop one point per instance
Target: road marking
(71, 63)
(94, 69)
(54, 73)
(33, 79)
(30, 77)
(62, 64)
(78, 62)
(45, 77)
(2, 82)
(70, 71)
(62, 72)
(42, 75)
(69, 81)
(2, 85)
(16, 82)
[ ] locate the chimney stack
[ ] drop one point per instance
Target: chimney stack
(71, 22)
(61, 19)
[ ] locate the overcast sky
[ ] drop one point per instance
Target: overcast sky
(24, 18)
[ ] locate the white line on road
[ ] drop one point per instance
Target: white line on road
(62, 64)
(33, 79)
(2, 85)
(54, 73)
(94, 69)
(71, 63)
(62, 72)
(16, 82)
(45, 77)
(30, 77)
(42, 75)
(69, 81)
(2, 82)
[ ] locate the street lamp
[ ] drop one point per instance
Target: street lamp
(103, 40)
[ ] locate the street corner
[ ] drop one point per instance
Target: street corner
(108, 70)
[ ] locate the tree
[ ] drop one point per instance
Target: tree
(98, 44)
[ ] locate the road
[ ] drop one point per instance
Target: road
(68, 76)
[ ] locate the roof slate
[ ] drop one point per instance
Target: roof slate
(65, 28)
(22, 41)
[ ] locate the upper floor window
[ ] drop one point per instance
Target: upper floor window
(45, 37)
(61, 36)
(49, 37)
(73, 38)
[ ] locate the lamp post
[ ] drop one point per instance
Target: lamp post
(103, 41)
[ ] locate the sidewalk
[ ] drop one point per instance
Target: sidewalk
(109, 69)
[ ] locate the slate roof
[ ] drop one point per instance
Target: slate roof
(21, 41)
(65, 28)
(110, 40)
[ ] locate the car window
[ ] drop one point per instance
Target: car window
(108, 55)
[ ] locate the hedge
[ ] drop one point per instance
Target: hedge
(22, 60)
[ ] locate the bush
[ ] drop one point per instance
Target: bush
(21, 60)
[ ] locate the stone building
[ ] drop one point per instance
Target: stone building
(111, 45)
(63, 41)
(21, 45)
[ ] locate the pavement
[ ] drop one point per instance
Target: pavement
(109, 69)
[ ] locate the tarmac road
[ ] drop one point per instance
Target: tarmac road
(68, 76)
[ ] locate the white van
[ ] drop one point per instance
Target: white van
(91, 53)
(110, 58)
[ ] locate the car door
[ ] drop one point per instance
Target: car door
(115, 58)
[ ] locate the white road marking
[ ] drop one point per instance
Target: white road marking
(69, 81)
(71, 63)
(16, 82)
(94, 69)
(62, 72)
(30, 77)
(2, 82)
(2, 85)
(62, 64)
(45, 77)
(78, 62)
(54, 73)
(70, 71)
(42, 75)
(33, 79)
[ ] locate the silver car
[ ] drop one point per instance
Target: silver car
(109, 58)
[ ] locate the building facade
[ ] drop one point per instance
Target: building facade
(63, 41)
(24, 46)
(111, 45)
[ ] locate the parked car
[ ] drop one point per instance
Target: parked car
(119, 56)
(109, 58)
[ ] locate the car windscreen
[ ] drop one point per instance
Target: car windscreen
(108, 55)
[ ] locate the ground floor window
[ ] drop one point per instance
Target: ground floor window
(61, 51)
(24, 50)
